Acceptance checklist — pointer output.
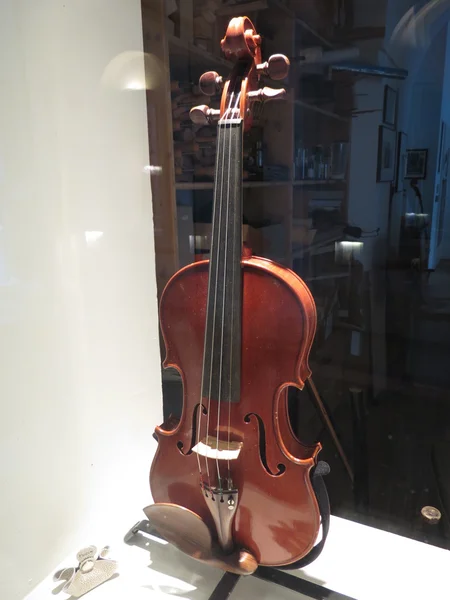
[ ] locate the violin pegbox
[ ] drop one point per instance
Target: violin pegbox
(241, 45)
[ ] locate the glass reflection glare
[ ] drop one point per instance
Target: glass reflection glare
(153, 169)
(134, 71)
(136, 85)
(347, 251)
(413, 219)
(92, 237)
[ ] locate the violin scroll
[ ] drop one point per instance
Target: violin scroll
(242, 45)
(241, 41)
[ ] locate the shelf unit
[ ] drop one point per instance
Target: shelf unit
(183, 48)
(209, 185)
(326, 113)
(277, 202)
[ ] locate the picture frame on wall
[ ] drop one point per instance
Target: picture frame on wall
(390, 107)
(402, 140)
(416, 163)
(387, 141)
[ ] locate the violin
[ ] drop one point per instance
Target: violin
(231, 483)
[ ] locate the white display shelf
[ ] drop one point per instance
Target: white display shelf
(358, 561)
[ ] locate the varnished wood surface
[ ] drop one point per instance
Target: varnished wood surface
(277, 518)
(190, 534)
(243, 44)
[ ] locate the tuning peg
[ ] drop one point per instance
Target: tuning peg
(267, 93)
(277, 67)
(202, 115)
(210, 83)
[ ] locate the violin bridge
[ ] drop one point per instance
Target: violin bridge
(210, 447)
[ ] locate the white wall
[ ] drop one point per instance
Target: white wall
(79, 347)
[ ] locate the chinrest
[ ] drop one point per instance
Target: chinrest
(189, 533)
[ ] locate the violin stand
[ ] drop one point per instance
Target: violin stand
(226, 585)
(326, 420)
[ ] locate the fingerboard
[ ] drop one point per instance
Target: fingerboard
(222, 349)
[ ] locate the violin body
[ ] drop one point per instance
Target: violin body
(230, 481)
(277, 517)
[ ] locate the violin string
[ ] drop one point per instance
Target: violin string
(202, 393)
(222, 320)
(217, 237)
(212, 250)
(229, 117)
(232, 305)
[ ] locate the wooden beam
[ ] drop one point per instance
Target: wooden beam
(301, 22)
(187, 20)
(161, 145)
(322, 111)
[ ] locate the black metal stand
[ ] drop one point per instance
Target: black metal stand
(326, 420)
(360, 452)
(226, 585)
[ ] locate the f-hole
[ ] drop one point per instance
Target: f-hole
(180, 444)
(262, 445)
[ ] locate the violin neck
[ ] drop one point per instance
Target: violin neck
(222, 351)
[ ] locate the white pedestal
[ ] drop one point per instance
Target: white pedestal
(358, 561)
